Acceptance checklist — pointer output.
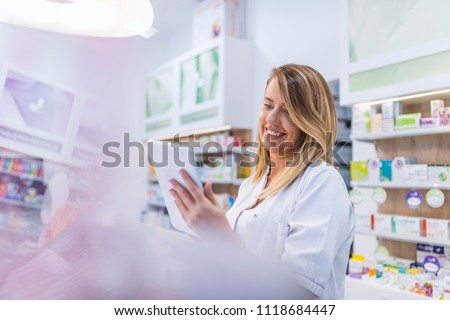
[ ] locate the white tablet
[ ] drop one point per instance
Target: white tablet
(168, 159)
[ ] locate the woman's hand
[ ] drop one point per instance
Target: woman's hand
(200, 210)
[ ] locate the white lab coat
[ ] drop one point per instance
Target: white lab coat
(308, 225)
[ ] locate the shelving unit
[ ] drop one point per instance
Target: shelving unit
(372, 137)
(428, 146)
(226, 185)
(396, 237)
(400, 185)
(20, 203)
(357, 289)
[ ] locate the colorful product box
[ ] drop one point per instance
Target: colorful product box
(386, 170)
(439, 252)
(408, 121)
(436, 229)
(406, 226)
(382, 223)
(416, 172)
(436, 107)
(358, 170)
(431, 122)
(445, 117)
(398, 168)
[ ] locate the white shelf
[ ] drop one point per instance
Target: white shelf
(21, 175)
(400, 134)
(393, 236)
(357, 289)
(400, 185)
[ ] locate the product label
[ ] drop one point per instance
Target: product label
(413, 199)
(356, 196)
(435, 198)
(379, 196)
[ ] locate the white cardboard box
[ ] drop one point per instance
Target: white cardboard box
(217, 18)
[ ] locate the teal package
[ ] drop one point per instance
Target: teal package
(386, 170)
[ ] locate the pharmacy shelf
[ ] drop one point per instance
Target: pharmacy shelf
(357, 289)
(400, 185)
(21, 175)
(20, 204)
(412, 239)
(400, 134)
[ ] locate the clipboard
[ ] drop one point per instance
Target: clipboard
(168, 159)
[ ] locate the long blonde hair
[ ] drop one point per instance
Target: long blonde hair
(310, 105)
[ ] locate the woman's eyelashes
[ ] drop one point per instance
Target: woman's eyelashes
(268, 106)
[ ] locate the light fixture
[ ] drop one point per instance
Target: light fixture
(411, 96)
(98, 18)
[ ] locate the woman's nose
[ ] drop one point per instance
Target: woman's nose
(273, 117)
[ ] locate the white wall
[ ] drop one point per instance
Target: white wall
(293, 31)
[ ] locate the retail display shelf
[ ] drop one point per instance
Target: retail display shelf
(157, 204)
(357, 289)
(21, 175)
(393, 236)
(19, 203)
(400, 134)
(153, 179)
(400, 185)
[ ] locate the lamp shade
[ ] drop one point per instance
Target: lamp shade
(98, 18)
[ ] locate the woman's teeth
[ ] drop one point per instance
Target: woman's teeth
(273, 133)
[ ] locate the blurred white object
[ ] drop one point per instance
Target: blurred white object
(56, 194)
(98, 18)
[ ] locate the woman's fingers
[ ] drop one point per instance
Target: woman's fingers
(183, 194)
(193, 187)
(210, 194)
(179, 202)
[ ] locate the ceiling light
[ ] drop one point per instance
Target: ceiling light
(98, 18)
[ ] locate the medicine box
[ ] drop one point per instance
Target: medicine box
(382, 223)
(436, 229)
(416, 172)
(406, 226)
(408, 121)
(358, 170)
(436, 107)
(440, 252)
(386, 170)
(363, 221)
(373, 169)
(398, 168)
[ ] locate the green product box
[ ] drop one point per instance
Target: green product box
(408, 121)
(386, 170)
(358, 171)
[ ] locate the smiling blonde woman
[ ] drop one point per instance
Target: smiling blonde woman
(295, 205)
